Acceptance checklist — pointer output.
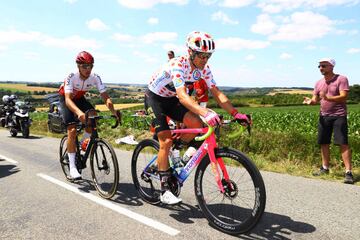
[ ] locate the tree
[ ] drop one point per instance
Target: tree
(354, 93)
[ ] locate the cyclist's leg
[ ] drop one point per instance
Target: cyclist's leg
(70, 121)
(159, 106)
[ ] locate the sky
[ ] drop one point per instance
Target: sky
(269, 43)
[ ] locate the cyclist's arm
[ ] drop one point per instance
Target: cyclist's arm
(107, 100)
(71, 105)
(189, 103)
(222, 100)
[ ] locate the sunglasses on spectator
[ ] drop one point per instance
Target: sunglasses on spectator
(322, 66)
(86, 66)
(203, 55)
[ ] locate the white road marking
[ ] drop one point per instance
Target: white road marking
(8, 159)
(106, 203)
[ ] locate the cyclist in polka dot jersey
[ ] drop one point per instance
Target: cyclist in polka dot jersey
(167, 96)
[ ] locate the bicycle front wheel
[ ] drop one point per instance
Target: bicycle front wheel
(104, 168)
(146, 178)
(242, 204)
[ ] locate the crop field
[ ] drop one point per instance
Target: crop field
(24, 88)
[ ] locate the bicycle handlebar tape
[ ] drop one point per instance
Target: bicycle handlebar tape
(206, 135)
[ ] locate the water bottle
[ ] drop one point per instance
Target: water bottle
(188, 154)
(84, 144)
(176, 159)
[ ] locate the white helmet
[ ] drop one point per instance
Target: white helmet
(200, 42)
(5, 98)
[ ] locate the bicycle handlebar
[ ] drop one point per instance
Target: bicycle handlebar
(242, 123)
(118, 113)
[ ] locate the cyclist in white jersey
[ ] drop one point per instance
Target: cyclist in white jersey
(167, 96)
(75, 105)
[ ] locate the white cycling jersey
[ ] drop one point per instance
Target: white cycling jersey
(78, 87)
(177, 73)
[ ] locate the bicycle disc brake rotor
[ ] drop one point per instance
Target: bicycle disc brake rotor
(231, 189)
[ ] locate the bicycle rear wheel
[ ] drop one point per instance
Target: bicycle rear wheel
(64, 159)
(104, 168)
(146, 179)
(241, 206)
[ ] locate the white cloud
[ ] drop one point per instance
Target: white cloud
(153, 21)
(70, 1)
(232, 43)
(3, 48)
(147, 58)
(303, 26)
(31, 55)
(159, 37)
(310, 47)
(221, 16)
(235, 3)
(285, 56)
(250, 57)
(228, 3)
(109, 58)
(264, 25)
(276, 6)
(145, 4)
(353, 50)
(71, 42)
(178, 49)
(96, 25)
(123, 38)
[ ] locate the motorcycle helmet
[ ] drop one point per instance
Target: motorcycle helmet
(5, 99)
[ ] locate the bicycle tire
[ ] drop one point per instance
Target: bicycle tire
(146, 149)
(241, 219)
(64, 159)
(107, 165)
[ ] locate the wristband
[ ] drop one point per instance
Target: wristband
(234, 112)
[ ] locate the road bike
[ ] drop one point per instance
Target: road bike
(228, 186)
(103, 161)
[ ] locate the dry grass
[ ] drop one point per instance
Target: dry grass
(24, 87)
(118, 106)
(289, 91)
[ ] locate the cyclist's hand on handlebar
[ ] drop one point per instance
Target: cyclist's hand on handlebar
(81, 117)
(212, 118)
(242, 119)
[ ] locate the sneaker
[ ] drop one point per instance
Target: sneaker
(349, 178)
(168, 198)
(321, 171)
(74, 174)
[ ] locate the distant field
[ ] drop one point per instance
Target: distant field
(289, 91)
(24, 88)
(101, 107)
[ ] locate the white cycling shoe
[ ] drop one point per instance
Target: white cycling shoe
(74, 174)
(168, 198)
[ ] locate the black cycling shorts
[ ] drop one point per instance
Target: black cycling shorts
(165, 106)
(328, 125)
(68, 116)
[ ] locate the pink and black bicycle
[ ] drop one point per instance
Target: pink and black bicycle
(228, 186)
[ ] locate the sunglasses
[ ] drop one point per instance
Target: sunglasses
(86, 66)
(322, 66)
(203, 55)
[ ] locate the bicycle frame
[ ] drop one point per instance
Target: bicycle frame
(207, 147)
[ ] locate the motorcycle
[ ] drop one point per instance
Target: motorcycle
(17, 118)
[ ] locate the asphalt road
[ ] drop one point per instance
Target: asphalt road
(36, 202)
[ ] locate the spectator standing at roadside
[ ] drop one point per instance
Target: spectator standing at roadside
(332, 91)
(171, 54)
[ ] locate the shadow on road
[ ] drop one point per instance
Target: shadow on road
(271, 225)
(276, 226)
(30, 137)
(7, 170)
(128, 195)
